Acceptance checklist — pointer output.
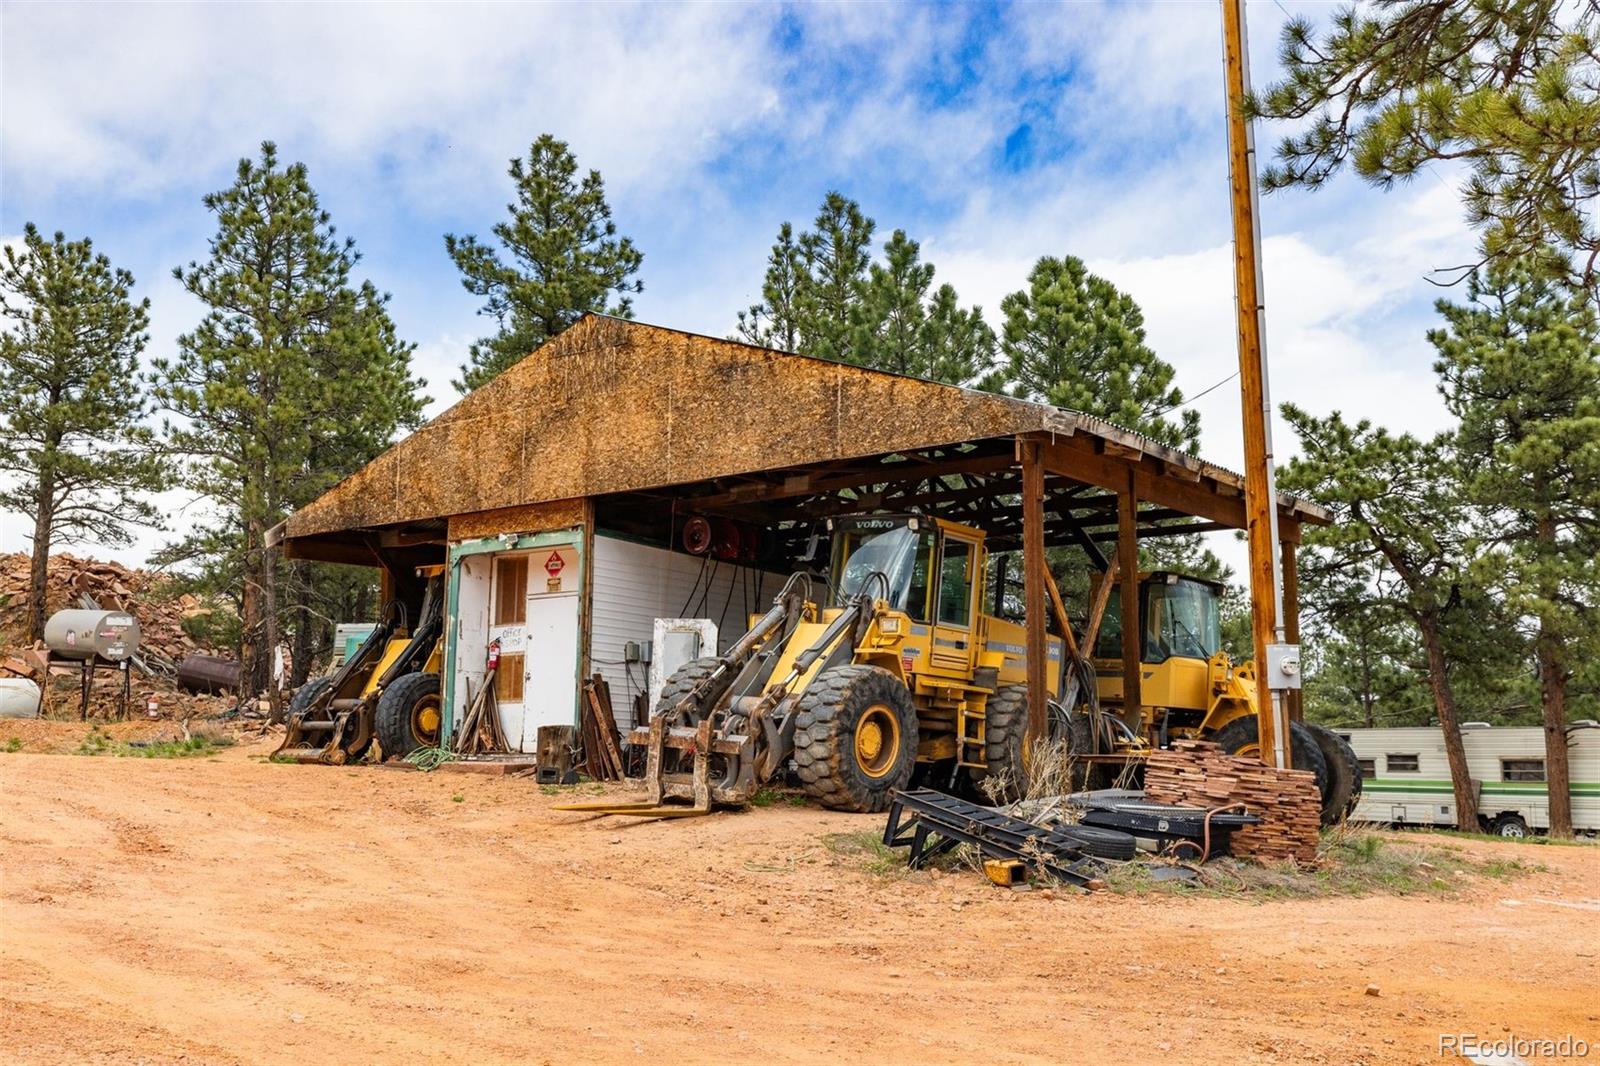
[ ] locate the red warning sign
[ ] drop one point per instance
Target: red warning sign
(553, 565)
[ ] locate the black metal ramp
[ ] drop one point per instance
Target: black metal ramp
(918, 816)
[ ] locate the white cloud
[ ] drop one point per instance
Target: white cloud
(443, 93)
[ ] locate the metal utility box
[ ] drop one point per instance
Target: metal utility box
(111, 636)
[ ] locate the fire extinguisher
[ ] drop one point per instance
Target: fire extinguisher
(493, 660)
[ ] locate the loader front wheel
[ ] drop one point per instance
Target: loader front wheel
(855, 738)
(410, 713)
(1344, 774)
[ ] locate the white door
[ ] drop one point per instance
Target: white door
(550, 692)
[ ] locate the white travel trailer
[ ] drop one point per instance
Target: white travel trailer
(1406, 777)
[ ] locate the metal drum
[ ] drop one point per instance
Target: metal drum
(113, 636)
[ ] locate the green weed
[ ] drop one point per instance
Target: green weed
(14, 744)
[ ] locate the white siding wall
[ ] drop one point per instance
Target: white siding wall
(634, 584)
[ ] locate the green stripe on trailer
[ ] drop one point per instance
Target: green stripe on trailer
(1491, 788)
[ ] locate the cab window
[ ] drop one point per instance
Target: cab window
(955, 583)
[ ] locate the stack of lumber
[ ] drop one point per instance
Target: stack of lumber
(602, 746)
(75, 582)
(1197, 773)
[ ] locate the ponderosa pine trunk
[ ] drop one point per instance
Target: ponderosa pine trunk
(1553, 703)
(39, 571)
(1444, 703)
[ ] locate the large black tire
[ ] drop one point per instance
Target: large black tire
(1243, 734)
(306, 693)
(855, 738)
(1101, 842)
(682, 681)
(1344, 774)
(405, 711)
(1004, 779)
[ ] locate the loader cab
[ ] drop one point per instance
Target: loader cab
(929, 568)
(1181, 618)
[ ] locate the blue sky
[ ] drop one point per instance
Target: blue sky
(992, 134)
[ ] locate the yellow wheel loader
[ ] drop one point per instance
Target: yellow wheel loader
(1190, 688)
(885, 666)
(387, 689)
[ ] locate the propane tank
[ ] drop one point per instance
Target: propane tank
(85, 634)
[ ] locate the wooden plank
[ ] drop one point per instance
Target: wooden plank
(1033, 595)
(1128, 563)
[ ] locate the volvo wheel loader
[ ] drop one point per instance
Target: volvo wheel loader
(1190, 688)
(387, 689)
(884, 666)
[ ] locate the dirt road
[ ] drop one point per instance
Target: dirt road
(232, 910)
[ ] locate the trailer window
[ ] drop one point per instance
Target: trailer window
(1522, 769)
(1401, 764)
(1369, 768)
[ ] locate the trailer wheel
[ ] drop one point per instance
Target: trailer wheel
(855, 738)
(1511, 826)
(1241, 737)
(410, 714)
(1344, 775)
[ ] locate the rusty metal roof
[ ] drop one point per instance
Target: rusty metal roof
(617, 406)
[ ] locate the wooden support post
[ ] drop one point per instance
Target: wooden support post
(1128, 564)
(1291, 621)
(1034, 569)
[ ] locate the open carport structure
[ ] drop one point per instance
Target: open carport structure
(558, 495)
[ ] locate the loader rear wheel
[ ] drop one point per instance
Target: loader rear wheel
(307, 694)
(1242, 737)
(855, 738)
(1005, 778)
(410, 713)
(682, 681)
(1344, 774)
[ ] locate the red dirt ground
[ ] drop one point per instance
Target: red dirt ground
(231, 910)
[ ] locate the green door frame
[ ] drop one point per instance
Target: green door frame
(567, 538)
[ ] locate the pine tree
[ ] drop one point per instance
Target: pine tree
(566, 260)
(1399, 532)
(836, 254)
(1512, 87)
(1520, 367)
(1074, 340)
(824, 296)
(78, 459)
(775, 321)
(293, 378)
(898, 328)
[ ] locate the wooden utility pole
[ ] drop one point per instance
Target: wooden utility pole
(1035, 571)
(1260, 490)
